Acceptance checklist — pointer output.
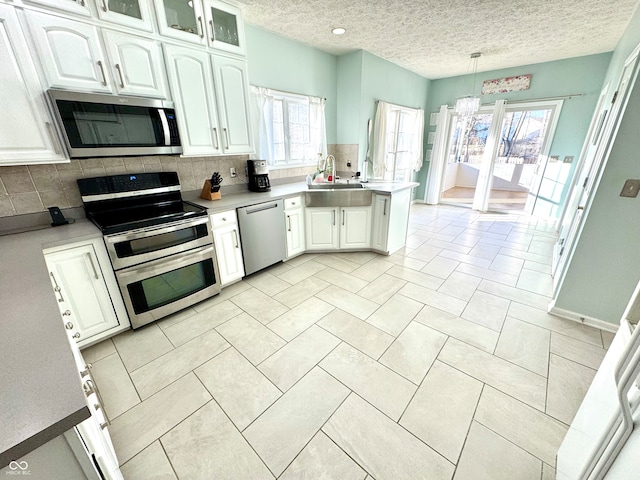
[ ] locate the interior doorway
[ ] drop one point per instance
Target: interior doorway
(519, 176)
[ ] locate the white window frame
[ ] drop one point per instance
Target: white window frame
(264, 122)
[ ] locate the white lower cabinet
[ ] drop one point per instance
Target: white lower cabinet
(87, 291)
(294, 220)
(329, 228)
(226, 239)
(390, 221)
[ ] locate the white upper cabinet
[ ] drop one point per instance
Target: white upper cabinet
(181, 20)
(225, 28)
(78, 7)
(69, 52)
(130, 13)
(190, 78)
(232, 93)
(205, 22)
(137, 65)
(27, 134)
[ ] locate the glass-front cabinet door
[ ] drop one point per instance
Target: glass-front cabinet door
(225, 29)
(131, 13)
(181, 19)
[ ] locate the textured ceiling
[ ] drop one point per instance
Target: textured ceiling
(435, 38)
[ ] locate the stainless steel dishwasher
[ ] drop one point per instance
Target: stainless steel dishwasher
(262, 234)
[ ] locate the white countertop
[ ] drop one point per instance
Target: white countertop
(231, 201)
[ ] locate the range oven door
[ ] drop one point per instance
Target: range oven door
(159, 288)
(144, 245)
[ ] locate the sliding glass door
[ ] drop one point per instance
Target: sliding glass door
(498, 159)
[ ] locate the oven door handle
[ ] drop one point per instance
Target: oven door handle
(141, 233)
(165, 264)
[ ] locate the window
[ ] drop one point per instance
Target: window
(290, 128)
(397, 142)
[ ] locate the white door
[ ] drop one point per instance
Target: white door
(138, 67)
(225, 28)
(77, 273)
(130, 13)
(232, 94)
(601, 138)
(27, 134)
(191, 82)
(321, 225)
(69, 52)
(228, 253)
(355, 227)
(181, 20)
(381, 207)
(295, 231)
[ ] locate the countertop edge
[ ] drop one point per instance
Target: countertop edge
(26, 446)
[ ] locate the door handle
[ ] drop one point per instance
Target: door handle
(213, 33)
(201, 27)
(215, 137)
(343, 218)
(289, 220)
(226, 136)
(333, 217)
(384, 211)
(56, 287)
(235, 232)
(104, 76)
(119, 69)
(104, 6)
(95, 271)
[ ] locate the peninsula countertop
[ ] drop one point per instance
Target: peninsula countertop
(42, 395)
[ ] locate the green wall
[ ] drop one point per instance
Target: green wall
(582, 75)
(364, 78)
(605, 267)
(283, 64)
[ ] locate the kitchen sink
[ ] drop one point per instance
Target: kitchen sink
(341, 197)
(335, 186)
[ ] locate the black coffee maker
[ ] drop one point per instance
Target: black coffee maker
(258, 176)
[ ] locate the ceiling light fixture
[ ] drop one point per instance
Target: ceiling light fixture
(339, 31)
(469, 104)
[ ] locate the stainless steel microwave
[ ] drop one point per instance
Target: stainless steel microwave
(96, 125)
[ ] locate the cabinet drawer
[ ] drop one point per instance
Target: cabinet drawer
(223, 218)
(293, 202)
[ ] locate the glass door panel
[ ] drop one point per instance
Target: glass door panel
(225, 27)
(181, 15)
(467, 140)
(130, 8)
(519, 162)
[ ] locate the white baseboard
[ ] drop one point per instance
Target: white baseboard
(584, 319)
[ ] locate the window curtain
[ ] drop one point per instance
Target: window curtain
(262, 119)
(262, 101)
(380, 140)
(385, 123)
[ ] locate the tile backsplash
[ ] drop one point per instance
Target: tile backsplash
(33, 188)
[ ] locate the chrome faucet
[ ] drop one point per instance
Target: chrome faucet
(331, 160)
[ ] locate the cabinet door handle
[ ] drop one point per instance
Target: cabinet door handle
(333, 217)
(104, 6)
(236, 235)
(226, 136)
(93, 266)
(91, 382)
(289, 220)
(54, 139)
(201, 27)
(68, 325)
(384, 211)
(104, 76)
(343, 218)
(76, 335)
(119, 69)
(56, 287)
(215, 137)
(82, 2)
(213, 33)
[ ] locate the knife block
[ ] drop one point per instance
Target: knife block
(207, 194)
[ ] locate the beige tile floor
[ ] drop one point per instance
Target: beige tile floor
(437, 362)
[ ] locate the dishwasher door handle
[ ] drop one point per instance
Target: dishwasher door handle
(261, 208)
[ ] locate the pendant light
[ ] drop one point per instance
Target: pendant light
(469, 104)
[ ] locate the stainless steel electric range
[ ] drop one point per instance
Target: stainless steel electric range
(160, 246)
